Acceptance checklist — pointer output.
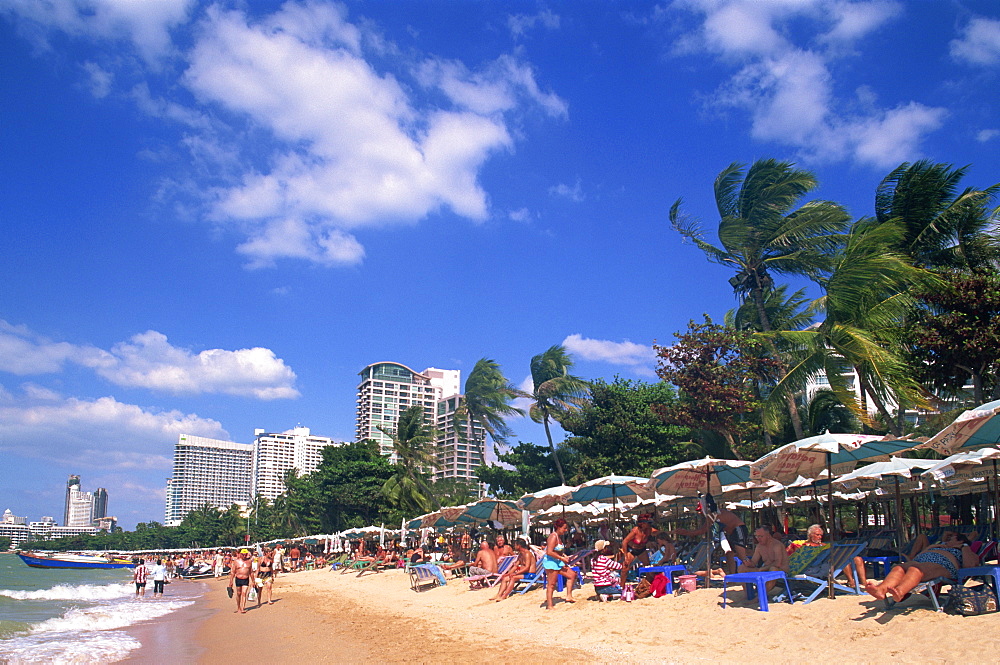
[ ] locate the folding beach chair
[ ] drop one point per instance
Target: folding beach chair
(422, 577)
(485, 581)
(840, 556)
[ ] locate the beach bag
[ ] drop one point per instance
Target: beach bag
(658, 587)
(628, 593)
(972, 601)
(252, 595)
(643, 589)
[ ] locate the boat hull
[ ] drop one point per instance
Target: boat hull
(47, 562)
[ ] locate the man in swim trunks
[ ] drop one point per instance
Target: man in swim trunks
(241, 573)
(768, 556)
(736, 533)
(486, 561)
(942, 560)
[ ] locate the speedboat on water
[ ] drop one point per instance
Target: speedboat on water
(64, 560)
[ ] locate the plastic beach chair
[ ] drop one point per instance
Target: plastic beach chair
(422, 577)
(840, 556)
(484, 581)
(758, 579)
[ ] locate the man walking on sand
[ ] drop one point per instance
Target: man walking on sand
(241, 572)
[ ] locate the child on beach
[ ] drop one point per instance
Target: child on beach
(603, 570)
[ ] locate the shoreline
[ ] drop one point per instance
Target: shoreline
(328, 617)
(169, 638)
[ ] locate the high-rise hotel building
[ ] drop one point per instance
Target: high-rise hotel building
(387, 389)
(275, 453)
(207, 471)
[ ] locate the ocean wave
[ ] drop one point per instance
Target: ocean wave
(86, 592)
(81, 648)
(109, 617)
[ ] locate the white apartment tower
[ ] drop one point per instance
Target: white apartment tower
(274, 454)
(79, 508)
(459, 450)
(207, 471)
(387, 389)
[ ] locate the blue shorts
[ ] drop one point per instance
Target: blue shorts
(605, 590)
(552, 563)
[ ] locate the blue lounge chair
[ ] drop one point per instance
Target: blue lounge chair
(423, 577)
(840, 556)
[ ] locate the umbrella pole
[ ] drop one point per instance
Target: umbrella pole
(900, 534)
(832, 522)
(708, 531)
(996, 501)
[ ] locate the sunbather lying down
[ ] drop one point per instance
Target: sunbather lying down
(941, 560)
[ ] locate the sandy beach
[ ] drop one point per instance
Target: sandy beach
(328, 617)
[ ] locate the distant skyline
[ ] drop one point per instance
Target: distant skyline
(217, 214)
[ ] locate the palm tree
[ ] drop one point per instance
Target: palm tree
(412, 441)
(941, 228)
(763, 234)
(555, 391)
(487, 402)
(867, 297)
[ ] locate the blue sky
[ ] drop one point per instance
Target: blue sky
(216, 214)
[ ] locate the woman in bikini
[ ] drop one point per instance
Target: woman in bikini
(556, 563)
(636, 545)
(265, 573)
(942, 560)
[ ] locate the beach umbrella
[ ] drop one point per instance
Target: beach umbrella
(967, 466)
(546, 498)
(504, 512)
(895, 468)
(814, 455)
(612, 488)
(707, 476)
(975, 428)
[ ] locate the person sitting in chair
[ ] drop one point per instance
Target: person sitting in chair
(524, 566)
(768, 556)
(941, 560)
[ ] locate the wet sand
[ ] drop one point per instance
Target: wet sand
(327, 617)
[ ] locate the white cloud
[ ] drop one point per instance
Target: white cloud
(520, 24)
(519, 215)
(145, 24)
(788, 88)
(102, 433)
(100, 79)
(985, 135)
(574, 193)
(354, 147)
(979, 43)
(630, 354)
(148, 360)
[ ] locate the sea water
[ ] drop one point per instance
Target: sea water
(51, 615)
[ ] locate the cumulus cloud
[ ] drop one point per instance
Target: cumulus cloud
(985, 135)
(635, 356)
(354, 148)
(148, 360)
(787, 86)
(303, 127)
(979, 43)
(101, 433)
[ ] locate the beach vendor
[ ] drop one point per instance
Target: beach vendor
(241, 576)
(636, 544)
(556, 563)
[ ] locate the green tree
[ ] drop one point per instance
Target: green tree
(762, 233)
(487, 402)
(533, 468)
(941, 227)
(954, 339)
(348, 484)
(715, 369)
(555, 393)
(5, 543)
(867, 298)
(412, 442)
(617, 432)
(826, 413)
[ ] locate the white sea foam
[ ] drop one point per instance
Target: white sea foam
(109, 617)
(82, 648)
(85, 592)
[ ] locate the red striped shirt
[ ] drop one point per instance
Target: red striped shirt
(601, 571)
